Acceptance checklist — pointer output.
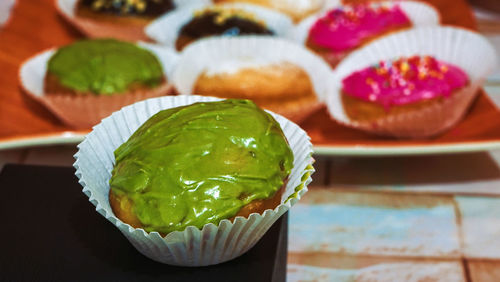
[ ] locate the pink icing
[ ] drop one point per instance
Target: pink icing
(404, 81)
(346, 28)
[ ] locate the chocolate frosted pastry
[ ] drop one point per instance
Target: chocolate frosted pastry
(199, 164)
(220, 21)
(120, 19)
(147, 9)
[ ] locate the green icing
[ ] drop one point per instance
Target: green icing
(202, 163)
(104, 66)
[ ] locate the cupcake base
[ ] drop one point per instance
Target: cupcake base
(124, 30)
(85, 111)
(296, 110)
(363, 111)
(422, 121)
(283, 88)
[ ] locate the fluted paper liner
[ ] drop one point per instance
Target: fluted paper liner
(212, 244)
(96, 28)
(468, 50)
(84, 111)
(166, 29)
(249, 51)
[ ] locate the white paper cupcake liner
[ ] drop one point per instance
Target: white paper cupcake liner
(95, 28)
(468, 50)
(419, 13)
(86, 111)
(192, 247)
(165, 30)
(228, 55)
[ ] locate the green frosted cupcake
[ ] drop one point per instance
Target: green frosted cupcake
(199, 164)
(102, 67)
(89, 79)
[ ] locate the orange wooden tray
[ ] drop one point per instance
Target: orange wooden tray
(36, 26)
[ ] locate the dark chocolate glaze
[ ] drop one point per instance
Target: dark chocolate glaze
(146, 8)
(206, 25)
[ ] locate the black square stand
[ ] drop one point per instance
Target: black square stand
(51, 232)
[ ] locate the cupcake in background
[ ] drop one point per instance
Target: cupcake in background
(342, 29)
(218, 21)
(184, 26)
(390, 88)
(120, 19)
(413, 84)
(276, 74)
(89, 79)
(297, 10)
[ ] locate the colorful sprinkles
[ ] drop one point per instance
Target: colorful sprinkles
(353, 14)
(125, 7)
(404, 71)
(404, 80)
(346, 27)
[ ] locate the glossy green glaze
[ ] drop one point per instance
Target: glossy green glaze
(104, 66)
(199, 164)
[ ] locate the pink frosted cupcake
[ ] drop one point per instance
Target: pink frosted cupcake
(343, 29)
(395, 87)
(412, 84)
